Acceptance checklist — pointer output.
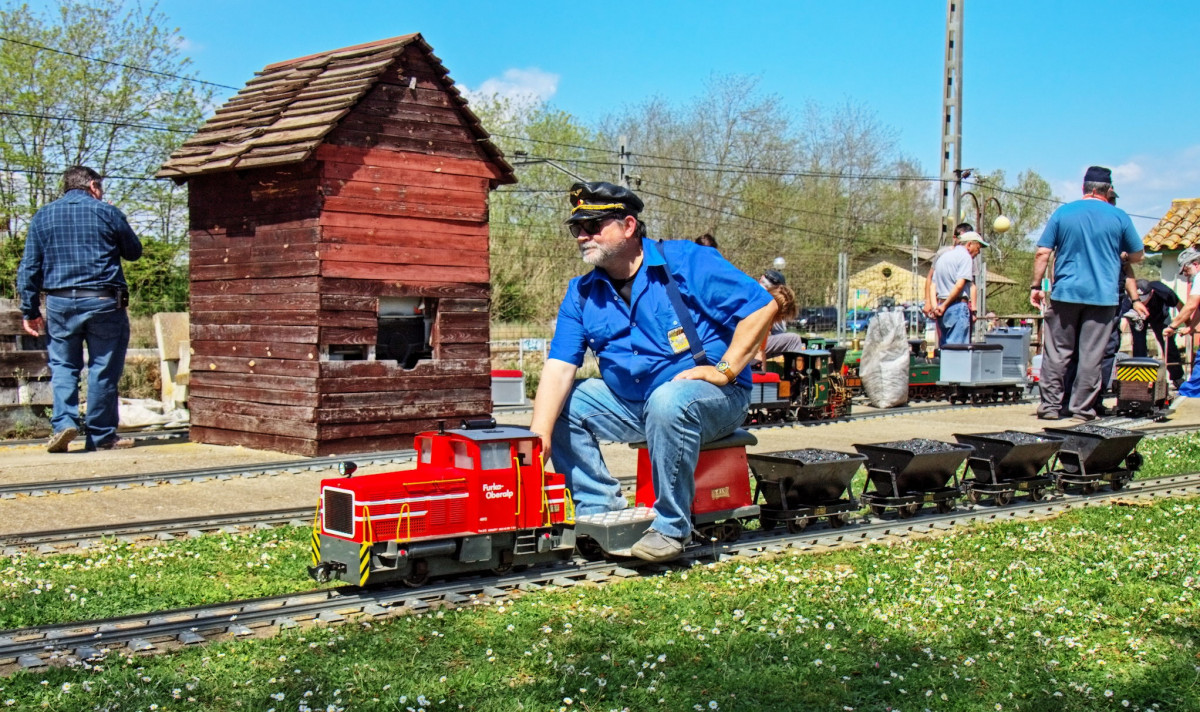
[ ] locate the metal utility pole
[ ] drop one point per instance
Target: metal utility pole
(843, 294)
(916, 296)
(623, 162)
(951, 171)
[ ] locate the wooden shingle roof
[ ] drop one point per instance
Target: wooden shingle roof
(285, 111)
(1178, 229)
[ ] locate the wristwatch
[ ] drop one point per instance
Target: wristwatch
(723, 367)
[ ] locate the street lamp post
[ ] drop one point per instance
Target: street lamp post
(999, 226)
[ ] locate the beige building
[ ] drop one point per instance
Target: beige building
(888, 274)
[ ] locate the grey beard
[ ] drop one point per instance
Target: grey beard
(596, 255)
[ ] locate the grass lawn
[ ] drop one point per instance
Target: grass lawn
(1095, 609)
(1092, 610)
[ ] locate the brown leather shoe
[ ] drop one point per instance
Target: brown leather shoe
(60, 440)
(116, 444)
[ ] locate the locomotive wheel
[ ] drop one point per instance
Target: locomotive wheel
(589, 548)
(945, 506)
(731, 530)
(418, 576)
(1003, 499)
(797, 525)
(1088, 488)
(506, 563)
(877, 510)
(908, 511)
(837, 521)
(710, 534)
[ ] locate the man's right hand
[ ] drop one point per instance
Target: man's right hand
(34, 327)
(1037, 298)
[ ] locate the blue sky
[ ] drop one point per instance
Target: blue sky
(1051, 86)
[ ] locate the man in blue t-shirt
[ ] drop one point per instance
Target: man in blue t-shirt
(654, 385)
(1089, 239)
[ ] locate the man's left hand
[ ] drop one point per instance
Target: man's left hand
(704, 373)
(1141, 309)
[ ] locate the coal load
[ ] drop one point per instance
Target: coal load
(1100, 430)
(920, 446)
(810, 455)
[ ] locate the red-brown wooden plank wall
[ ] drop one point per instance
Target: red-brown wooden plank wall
(286, 261)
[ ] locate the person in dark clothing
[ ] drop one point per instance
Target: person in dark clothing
(73, 253)
(1159, 300)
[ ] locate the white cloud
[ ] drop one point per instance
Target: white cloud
(517, 85)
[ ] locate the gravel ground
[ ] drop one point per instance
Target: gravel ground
(30, 464)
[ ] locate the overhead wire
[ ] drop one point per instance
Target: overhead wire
(116, 64)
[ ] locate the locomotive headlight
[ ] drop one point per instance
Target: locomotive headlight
(347, 468)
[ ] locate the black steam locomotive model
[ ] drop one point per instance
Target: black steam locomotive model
(811, 387)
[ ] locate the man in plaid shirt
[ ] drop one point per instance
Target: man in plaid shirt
(73, 253)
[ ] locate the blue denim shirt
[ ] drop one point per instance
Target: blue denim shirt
(632, 340)
(74, 242)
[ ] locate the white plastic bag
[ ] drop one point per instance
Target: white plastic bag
(885, 361)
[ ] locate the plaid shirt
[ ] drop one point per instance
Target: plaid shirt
(74, 242)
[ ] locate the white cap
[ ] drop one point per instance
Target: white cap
(971, 236)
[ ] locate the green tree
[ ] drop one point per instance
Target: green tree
(89, 83)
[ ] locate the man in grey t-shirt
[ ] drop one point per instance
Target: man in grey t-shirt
(952, 281)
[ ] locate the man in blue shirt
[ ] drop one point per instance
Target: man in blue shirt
(654, 385)
(73, 253)
(1089, 239)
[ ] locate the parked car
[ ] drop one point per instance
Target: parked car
(856, 319)
(817, 319)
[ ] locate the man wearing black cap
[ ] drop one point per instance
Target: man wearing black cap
(674, 377)
(1089, 239)
(1159, 300)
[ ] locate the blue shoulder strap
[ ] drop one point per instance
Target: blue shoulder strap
(681, 311)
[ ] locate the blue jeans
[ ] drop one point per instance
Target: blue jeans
(954, 325)
(677, 418)
(104, 328)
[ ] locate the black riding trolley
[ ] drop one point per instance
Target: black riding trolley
(1007, 462)
(908, 474)
(800, 486)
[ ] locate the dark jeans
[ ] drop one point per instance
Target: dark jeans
(96, 321)
(1174, 358)
(1076, 333)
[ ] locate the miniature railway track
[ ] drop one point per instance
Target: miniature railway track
(49, 541)
(161, 434)
(151, 479)
(71, 643)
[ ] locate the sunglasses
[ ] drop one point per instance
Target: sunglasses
(588, 227)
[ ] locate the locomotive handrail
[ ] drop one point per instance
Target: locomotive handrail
(405, 514)
(518, 463)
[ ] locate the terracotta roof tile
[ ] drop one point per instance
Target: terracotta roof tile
(1178, 229)
(284, 112)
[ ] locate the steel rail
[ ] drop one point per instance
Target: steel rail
(150, 479)
(71, 643)
(180, 433)
(46, 542)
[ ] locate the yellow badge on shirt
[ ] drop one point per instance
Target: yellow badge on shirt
(678, 340)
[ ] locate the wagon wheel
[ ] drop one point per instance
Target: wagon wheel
(1036, 494)
(1003, 499)
(767, 523)
(944, 506)
(837, 521)
(973, 496)
(710, 533)
(1088, 488)
(732, 530)
(797, 525)
(589, 548)
(877, 510)
(418, 576)
(975, 399)
(1117, 484)
(908, 511)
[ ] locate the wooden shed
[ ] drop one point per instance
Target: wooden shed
(339, 254)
